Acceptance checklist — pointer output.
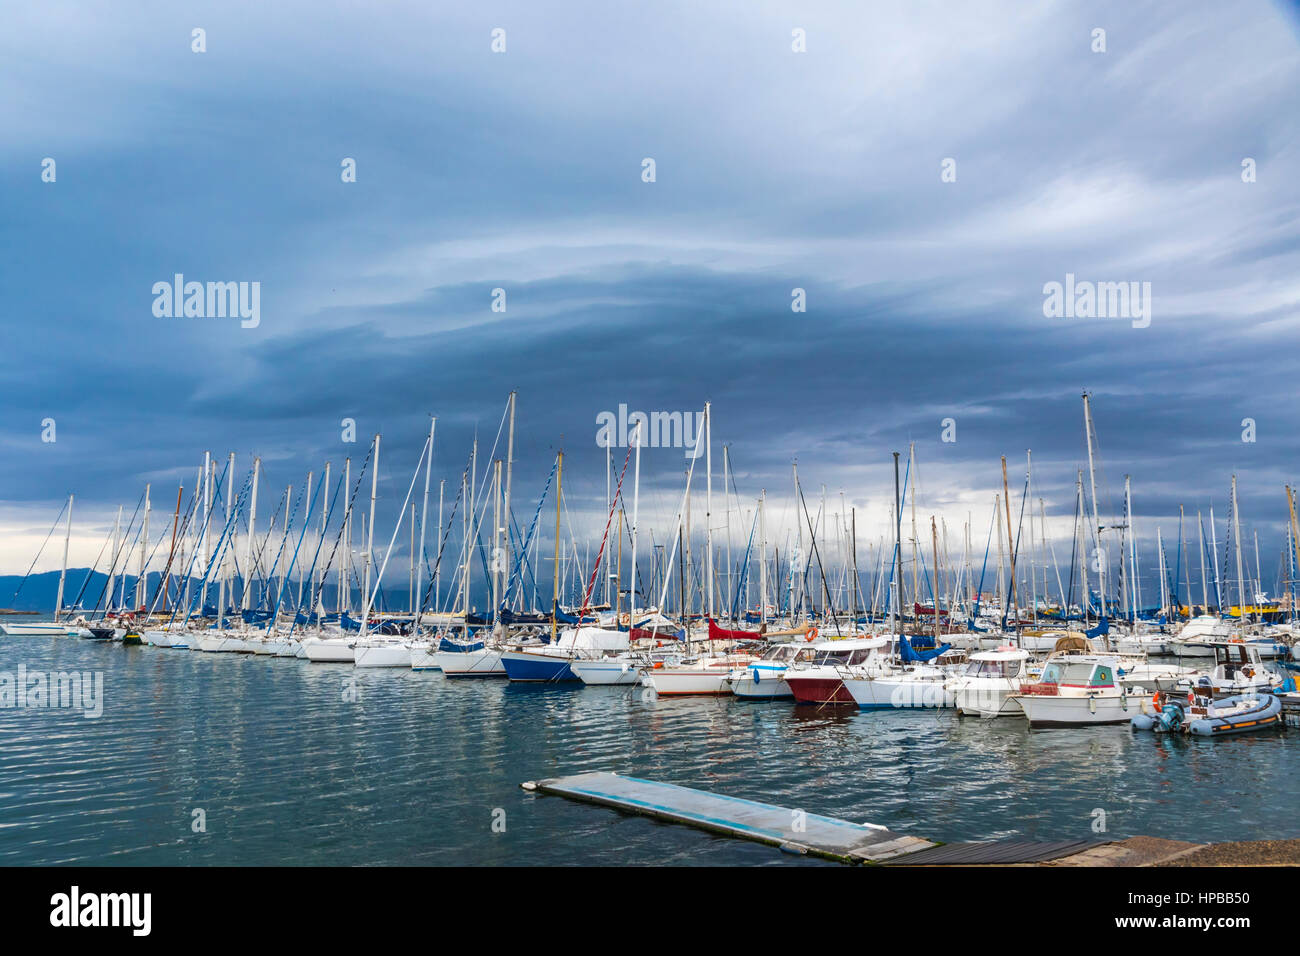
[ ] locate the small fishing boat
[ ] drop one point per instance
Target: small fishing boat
(1201, 714)
(703, 676)
(821, 680)
(988, 685)
(1079, 690)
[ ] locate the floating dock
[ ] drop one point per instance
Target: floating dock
(794, 831)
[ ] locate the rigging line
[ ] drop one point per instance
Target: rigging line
(112, 570)
(343, 524)
(428, 588)
(180, 535)
(38, 553)
(194, 555)
(320, 542)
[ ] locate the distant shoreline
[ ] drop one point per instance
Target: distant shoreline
(6, 610)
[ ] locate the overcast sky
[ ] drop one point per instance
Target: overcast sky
(774, 170)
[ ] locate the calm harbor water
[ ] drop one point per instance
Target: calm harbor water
(298, 763)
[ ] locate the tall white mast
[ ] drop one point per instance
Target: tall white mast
(370, 536)
(762, 557)
(206, 534)
(708, 503)
(1214, 553)
(250, 574)
(636, 510)
(1236, 537)
(1205, 584)
(63, 575)
(318, 577)
(1096, 521)
(112, 581)
(345, 562)
(140, 590)
(510, 467)
(424, 514)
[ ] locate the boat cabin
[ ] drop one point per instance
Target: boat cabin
(1074, 676)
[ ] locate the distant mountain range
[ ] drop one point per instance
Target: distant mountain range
(39, 591)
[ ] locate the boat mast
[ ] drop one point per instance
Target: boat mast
(510, 467)
(345, 566)
(166, 581)
(437, 568)
(141, 597)
(63, 574)
(934, 539)
(424, 514)
(370, 534)
(318, 582)
(1096, 521)
(249, 574)
(1187, 566)
(895, 625)
(1081, 536)
(221, 584)
(916, 564)
(1160, 565)
(762, 557)
(555, 586)
(1132, 547)
(708, 505)
(1236, 540)
(496, 543)
(853, 594)
(1006, 503)
(112, 579)
(208, 465)
(1214, 553)
(1033, 573)
(1205, 582)
(726, 499)
(1295, 543)
(636, 503)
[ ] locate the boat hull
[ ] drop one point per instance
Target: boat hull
(395, 654)
(1047, 711)
(606, 672)
(529, 668)
(688, 682)
(820, 690)
(332, 651)
(482, 663)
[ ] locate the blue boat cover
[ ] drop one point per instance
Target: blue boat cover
(911, 655)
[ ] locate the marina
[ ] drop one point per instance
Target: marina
(938, 655)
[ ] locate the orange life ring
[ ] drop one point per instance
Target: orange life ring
(812, 634)
(1155, 701)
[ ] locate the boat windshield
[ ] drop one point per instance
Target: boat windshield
(1006, 668)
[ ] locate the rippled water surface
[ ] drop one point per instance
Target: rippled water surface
(289, 769)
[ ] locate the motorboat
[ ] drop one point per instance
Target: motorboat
(1201, 713)
(1079, 690)
(1238, 669)
(821, 680)
(987, 686)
